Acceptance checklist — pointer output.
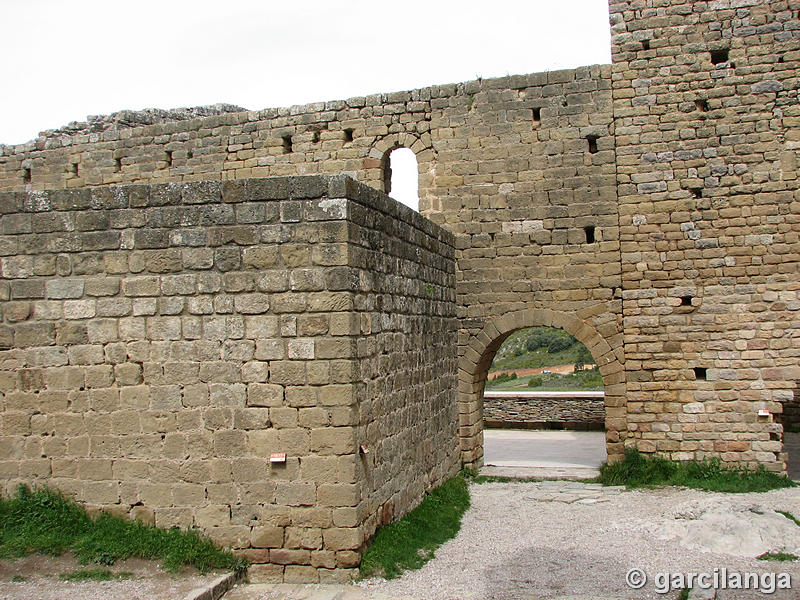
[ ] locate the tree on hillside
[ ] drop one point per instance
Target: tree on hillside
(553, 340)
(583, 357)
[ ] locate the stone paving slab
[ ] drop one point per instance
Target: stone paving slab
(528, 472)
(216, 589)
(569, 492)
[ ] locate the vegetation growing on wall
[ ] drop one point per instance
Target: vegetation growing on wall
(44, 521)
(410, 542)
(640, 470)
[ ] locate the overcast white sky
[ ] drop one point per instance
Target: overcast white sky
(65, 59)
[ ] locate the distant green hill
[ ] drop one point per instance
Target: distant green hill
(584, 381)
(540, 347)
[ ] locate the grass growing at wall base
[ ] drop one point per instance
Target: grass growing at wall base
(44, 521)
(410, 542)
(638, 470)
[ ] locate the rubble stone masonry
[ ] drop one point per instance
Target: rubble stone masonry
(649, 208)
(542, 412)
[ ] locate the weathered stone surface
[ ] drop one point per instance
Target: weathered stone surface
(646, 207)
(188, 375)
(701, 208)
(728, 527)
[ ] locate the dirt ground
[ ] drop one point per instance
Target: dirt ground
(560, 369)
(36, 577)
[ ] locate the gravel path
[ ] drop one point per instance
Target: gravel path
(549, 540)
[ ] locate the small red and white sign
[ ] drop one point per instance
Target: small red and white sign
(277, 457)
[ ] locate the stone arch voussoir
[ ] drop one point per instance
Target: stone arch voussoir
(398, 140)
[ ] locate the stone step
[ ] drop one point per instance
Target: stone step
(539, 472)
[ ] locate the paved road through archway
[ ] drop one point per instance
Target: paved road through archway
(543, 453)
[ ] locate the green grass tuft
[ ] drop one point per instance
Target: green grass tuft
(44, 521)
(479, 479)
(94, 575)
(638, 470)
(410, 542)
(777, 556)
(18, 579)
(789, 516)
(684, 595)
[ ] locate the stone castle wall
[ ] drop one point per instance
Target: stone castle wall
(649, 208)
(405, 345)
(707, 138)
(521, 169)
(160, 342)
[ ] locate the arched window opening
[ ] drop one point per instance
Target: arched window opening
(544, 404)
(401, 177)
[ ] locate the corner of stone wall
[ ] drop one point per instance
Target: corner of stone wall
(228, 355)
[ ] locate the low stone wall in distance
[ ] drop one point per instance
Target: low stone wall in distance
(543, 410)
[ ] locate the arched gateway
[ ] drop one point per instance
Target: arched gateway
(477, 358)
